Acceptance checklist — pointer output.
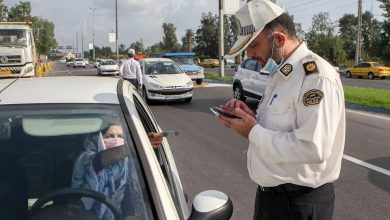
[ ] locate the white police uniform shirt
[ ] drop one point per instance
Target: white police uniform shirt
(130, 69)
(300, 133)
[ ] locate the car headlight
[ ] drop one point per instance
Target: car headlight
(189, 84)
(155, 85)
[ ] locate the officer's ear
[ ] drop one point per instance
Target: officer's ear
(280, 39)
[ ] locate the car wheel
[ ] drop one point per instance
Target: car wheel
(199, 81)
(348, 74)
(383, 77)
(188, 99)
(238, 93)
(371, 75)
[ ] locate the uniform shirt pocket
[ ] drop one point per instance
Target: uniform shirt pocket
(280, 114)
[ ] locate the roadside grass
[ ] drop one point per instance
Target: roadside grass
(214, 76)
(376, 98)
(369, 97)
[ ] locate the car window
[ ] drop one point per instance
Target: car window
(108, 62)
(150, 126)
(250, 64)
(51, 147)
(161, 67)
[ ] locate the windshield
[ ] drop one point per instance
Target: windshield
(13, 37)
(183, 60)
(162, 67)
(50, 147)
(108, 62)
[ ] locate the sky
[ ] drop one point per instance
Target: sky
(142, 19)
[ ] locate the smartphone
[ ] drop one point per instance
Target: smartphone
(169, 133)
(218, 111)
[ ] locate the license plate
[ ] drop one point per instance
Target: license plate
(5, 72)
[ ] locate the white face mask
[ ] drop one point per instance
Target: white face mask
(271, 67)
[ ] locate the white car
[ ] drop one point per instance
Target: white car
(63, 60)
(45, 138)
(164, 80)
(248, 81)
(108, 67)
(79, 62)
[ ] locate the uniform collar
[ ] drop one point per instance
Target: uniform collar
(287, 68)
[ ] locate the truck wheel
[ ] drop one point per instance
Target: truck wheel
(199, 81)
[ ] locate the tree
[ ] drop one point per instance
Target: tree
(137, 46)
(207, 36)
(347, 32)
(231, 31)
(122, 49)
(170, 43)
(3, 11)
(322, 40)
(188, 41)
(20, 12)
(44, 35)
(383, 43)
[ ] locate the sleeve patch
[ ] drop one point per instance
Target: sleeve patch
(310, 67)
(312, 97)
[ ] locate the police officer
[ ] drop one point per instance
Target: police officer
(130, 70)
(296, 138)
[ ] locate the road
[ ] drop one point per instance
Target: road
(209, 155)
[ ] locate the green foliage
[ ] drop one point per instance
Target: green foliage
(377, 98)
(44, 35)
(207, 36)
(20, 12)
(137, 46)
(3, 11)
(188, 41)
(170, 43)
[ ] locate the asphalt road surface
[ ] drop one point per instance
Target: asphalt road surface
(210, 156)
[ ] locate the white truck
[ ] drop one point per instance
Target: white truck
(18, 55)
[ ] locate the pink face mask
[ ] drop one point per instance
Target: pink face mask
(113, 142)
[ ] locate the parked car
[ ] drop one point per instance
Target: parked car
(79, 62)
(369, 70)
(44, 137)
(248, 81)
(96, 63)
(210, 63)
(164, 80)
(108, 67)
(62, 60)
(230, 63)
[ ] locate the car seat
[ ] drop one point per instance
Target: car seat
(13, 188)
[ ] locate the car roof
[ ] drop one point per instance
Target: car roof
(156, 59)
(69, 89)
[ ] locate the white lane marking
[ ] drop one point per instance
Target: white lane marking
(367, 165)
(368, 114)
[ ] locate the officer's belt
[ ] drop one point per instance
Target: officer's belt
(286, 188)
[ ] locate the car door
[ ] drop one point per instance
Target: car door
(162, 175)
(165, 158)
(251, 76)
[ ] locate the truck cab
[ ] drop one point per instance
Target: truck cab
(186, 63)
(17, 50)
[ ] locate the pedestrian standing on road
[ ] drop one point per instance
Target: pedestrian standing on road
(130, 70)
(296, 138)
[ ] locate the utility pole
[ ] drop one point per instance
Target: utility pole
(93, 30)
(77, 42)
(359, 33)
(116, 31)
(82, 39)
(221, 40)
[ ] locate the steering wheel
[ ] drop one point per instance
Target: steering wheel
(68, 194)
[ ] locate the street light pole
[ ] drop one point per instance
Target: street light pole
(221, 41)
(93, 33)
(82, 39)
(116, 31)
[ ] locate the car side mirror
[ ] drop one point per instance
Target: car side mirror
(211, 204)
